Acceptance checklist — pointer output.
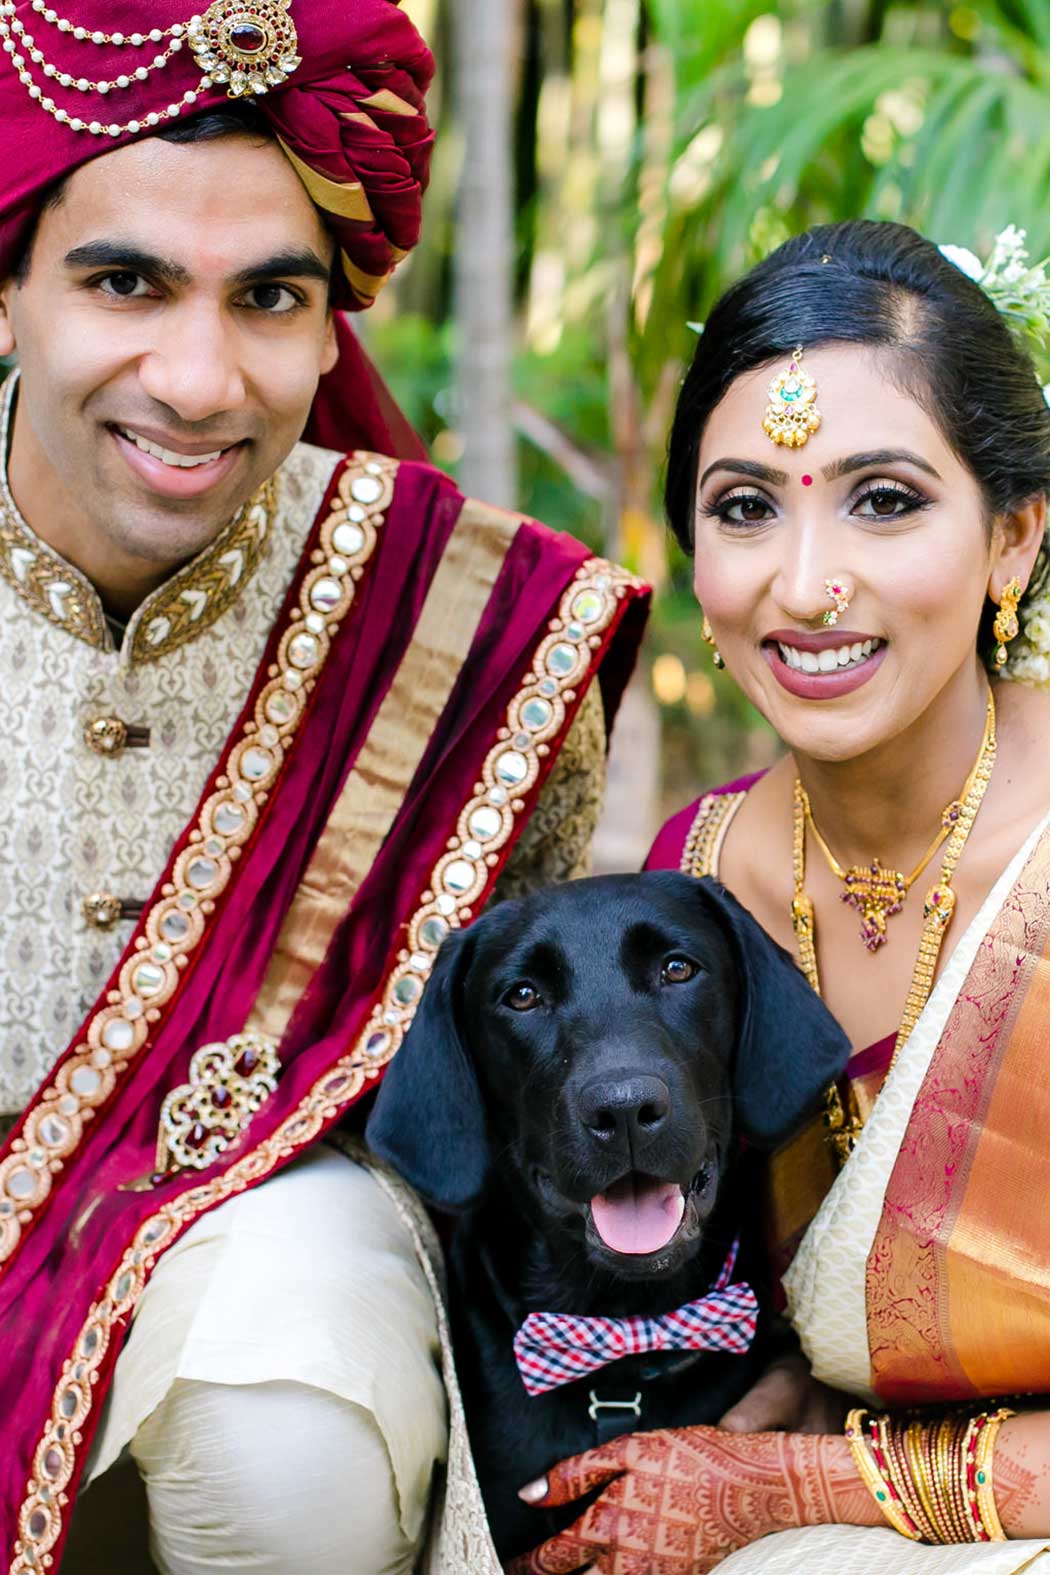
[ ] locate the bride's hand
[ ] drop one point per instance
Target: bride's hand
(676, 1502)
(788, 1398)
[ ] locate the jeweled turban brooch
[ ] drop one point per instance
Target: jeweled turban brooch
(249, 46)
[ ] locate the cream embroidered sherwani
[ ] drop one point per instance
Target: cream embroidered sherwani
(106, 753)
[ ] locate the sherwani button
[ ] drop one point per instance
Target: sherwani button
(102, 910)
(106, 735)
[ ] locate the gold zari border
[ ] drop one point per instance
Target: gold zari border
(710, 824)
(174, 927)
(376, 785)
(459, 878)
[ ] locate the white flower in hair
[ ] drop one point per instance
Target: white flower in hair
(1018, 288)
(968, 261)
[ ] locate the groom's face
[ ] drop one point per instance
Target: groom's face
(171, 328)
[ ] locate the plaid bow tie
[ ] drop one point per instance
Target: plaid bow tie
(556, 1348)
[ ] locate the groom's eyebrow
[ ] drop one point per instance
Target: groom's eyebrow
(748, 467)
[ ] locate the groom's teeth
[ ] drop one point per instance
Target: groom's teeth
(830, 660)
(182, 461)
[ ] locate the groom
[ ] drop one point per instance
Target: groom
(277, 719)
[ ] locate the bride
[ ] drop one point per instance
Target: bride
(859, 465)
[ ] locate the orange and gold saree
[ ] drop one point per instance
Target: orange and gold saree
(924, 1276)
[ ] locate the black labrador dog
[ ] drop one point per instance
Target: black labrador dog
(581, 1069)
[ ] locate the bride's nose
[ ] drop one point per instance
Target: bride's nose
(801, 586)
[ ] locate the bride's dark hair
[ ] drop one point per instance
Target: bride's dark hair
(880, 284)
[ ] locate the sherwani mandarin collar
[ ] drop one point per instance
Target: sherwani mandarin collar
(175, 613)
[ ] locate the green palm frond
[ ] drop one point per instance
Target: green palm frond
(973, 156)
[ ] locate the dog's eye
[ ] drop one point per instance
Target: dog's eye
(522, 997)
(676, 970)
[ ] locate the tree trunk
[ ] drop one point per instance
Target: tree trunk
(483, 32)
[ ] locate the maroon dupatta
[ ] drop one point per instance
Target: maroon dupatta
(418, 683)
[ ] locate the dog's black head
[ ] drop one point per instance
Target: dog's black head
(599, 1043)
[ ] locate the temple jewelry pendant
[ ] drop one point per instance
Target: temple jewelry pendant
(248, 44)
(791, 415)
(877, 894)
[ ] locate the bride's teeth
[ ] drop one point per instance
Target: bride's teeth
(168, 456)
(830, 660)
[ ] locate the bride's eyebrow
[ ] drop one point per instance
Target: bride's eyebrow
(748, 467)
(874, 457)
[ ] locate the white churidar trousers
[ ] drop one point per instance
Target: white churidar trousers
(280, 1390)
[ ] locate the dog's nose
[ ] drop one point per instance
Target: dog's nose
(631, 1108)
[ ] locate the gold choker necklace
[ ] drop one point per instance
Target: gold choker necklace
(938, 907)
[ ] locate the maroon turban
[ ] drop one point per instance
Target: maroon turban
(350, 116)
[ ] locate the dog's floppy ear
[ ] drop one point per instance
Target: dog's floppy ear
(789, 1047)
(428, 1120)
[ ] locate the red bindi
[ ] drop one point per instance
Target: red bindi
(807, 481)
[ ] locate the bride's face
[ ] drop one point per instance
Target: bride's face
(877, 499)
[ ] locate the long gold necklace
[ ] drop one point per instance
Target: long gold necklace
(938, 908)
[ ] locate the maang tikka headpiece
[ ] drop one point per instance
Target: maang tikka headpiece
(791, 416)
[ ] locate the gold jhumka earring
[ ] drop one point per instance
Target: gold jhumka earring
(707, 635)
(791, 416)
(1006, 627)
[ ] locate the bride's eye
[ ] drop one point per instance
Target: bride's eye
(886, 501)
(741, 508)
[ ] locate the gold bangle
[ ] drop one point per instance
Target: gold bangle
(984, 1484)
(873, 1478)
(893, 1446)
(914, 1443)
(949, 1436)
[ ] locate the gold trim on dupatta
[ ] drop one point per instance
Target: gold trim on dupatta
(376, 786)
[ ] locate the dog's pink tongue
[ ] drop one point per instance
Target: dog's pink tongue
(638, 1213)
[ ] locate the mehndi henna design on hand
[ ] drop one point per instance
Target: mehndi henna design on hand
(678, 1501)
(1016, 1486)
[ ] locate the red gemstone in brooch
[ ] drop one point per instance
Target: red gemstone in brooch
(249, 45)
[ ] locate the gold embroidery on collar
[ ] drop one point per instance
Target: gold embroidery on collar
(194, 598)
(179, 610)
